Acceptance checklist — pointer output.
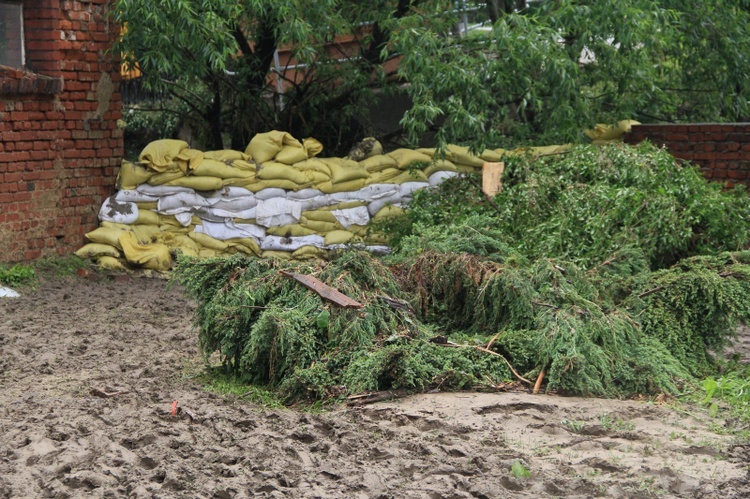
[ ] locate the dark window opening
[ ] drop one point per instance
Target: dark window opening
(11, 34)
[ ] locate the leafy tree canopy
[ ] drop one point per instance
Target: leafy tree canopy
(540, 71)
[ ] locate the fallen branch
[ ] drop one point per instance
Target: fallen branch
(486, 350)
(372, 397)
(538, 383)
(650, 291)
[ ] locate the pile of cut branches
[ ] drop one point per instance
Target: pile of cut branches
(613, 271)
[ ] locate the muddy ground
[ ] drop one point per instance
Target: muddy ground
(72, 341)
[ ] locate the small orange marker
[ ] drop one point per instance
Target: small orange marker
(174, 408)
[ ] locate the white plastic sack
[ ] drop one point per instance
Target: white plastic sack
(219, 214)
(277, 211)
(408, 187)
(352, 216)
(437, 178)
(229, 230)
(303, 194)
(231, 192)
(317, 202)
(132, 196)
(278, 243)
(184, 219)
(379, 204)
(236, 205)
(121, 213)
(377, 191)
(270, 193)
(182, 202)
(8, 293)
(161, 190)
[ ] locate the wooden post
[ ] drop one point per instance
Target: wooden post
(492, 178)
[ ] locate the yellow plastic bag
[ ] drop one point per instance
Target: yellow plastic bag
(320, 227)
(315, 165)
(93, 250)
(247, 245)
(207, 241)
(146, 217)
(132, 175)
(154, 256)
(188, 160)
(440, 165)
(407, 176)
(111, 263)
(264, 146)
(384, 176)
(106, 235)
(345, 170)
(460, 156)
(159, 154)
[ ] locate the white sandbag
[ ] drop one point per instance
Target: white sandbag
(278, 211)
(182, 202)
(236, 204)
(374, 249)
(121, 213)
(219, 214)
(161, 190)
(208, 214)
(278, 243)
(133, 196)
(377, 191)
(317, 202)
(270, 193)
(231, 192)
(352, 216)
(343, 197)
(408, 187)
(8, 293)
(437, 178)
(184, 218)
(229, 230)
(303, 194)
(379, 204)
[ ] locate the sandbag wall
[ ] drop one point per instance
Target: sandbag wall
(276, 199)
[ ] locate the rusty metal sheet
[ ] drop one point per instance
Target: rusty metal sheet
(324, 290)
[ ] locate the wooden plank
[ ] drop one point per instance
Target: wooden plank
(492, 178)
(324, 290)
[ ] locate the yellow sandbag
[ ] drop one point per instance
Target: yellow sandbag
(461, 155)
(240, 181)
(159, 154)
(377, 238)
(208, 253)
(383, 177)
(146, 217)
(186, 245)
(176, 229)
(291, 154)
(378, 163)
(312, 146)
(345, 170)
(163, 178)
(309, 253)
(440, 165)
(339, 237)
(407, 176)
(320, 227)
(145, 233)
(467, 169)
(147, 205)
(602, 131)
(241, 164)
(106, 235)
(315, 165)
(219, 169)
(352, 185)
(428, 151)
(386, 212)
(292, 230)
(198, 183)
(111, 263)
(282, 255)
(225, 155)
(93, 250)
(259, 185)
(132, 175)
(207, 241)
(407, 157)
(358, 230)
(154, 256)
(272, 170)
(171, 220)
(246, 245)
(344, 205)
(264, 146)
(188, 160)
(490, 156)
(244, 220)
(320, 215)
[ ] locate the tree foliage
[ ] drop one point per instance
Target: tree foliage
(542, 71)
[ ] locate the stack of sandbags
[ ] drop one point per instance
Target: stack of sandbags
(275, 199)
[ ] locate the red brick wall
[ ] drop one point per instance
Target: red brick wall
(722, 151)
(59, 143)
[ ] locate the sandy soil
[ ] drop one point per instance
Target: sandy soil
(64, 344)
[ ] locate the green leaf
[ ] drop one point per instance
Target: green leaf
(519, 470)
(323, 319)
